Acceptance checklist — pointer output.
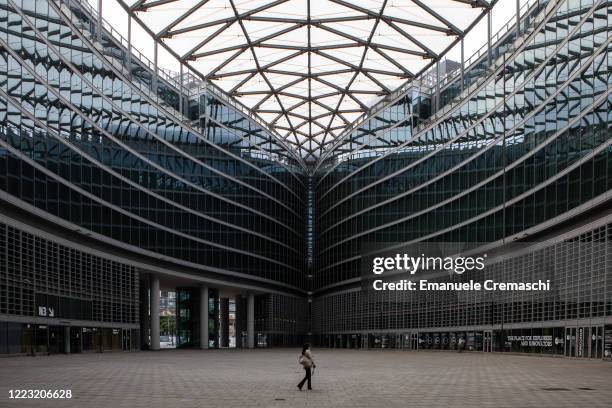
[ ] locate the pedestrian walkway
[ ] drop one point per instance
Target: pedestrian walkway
(344, 378)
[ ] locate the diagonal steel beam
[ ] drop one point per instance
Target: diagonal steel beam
(188, 54)
(280, 89)
(438, 17)
(411, 38)
(366, 46)
(254, 54)
(164, 31)
(146, 6)
(396, 19)
(371, 44)
(404, 74)
(224, 63)
(237, 16)
(252, 73)
(474, 3)
(253, 43)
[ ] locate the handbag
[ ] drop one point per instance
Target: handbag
(305, 361)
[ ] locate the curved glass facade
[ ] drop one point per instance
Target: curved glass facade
(513, 147)
(512, 144)
(85, 138)
(522, 147)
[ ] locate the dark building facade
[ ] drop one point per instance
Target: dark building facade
(518, 149)
(115, 174)
(94, 144)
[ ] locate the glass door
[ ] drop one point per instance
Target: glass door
(75, 340)
(126, 340)
(487, 341)
(595, 339)
(444, 341)
(570, 342)
(406, 341)
(414, 343)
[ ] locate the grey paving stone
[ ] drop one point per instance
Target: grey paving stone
(344, 378)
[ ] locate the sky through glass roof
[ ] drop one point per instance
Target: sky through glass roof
(308, 68)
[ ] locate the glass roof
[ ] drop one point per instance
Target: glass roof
(309, 68)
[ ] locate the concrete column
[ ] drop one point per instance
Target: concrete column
(224, 317)
(67, 339)
(203, 317)
(154, 312)
(251, 320)
(145, 320)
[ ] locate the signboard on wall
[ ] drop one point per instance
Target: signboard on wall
(532, 341)
(580, 342)
(608, 343)
(46, 311)
(54, 306)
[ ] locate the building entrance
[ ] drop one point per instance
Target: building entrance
(410, 341)
(488, 341)
(584, 342)
(596, 337)
(126, 340)
(570, 342)
(76, 343)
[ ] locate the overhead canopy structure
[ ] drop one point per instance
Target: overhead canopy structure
(308, 67)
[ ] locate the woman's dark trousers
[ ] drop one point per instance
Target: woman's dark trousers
(306, 377)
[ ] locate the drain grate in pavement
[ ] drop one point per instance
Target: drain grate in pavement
(555, 389)
(585, 389)
(279, 399)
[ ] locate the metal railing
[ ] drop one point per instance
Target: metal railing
(171, 76)
(492, 67)
(428, 81)
(183, 83)
(482, 51)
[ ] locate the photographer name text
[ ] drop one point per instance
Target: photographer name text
(471, 285)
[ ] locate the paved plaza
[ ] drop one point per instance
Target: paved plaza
(344, 378)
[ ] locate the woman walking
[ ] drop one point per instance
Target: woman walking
(308, 363)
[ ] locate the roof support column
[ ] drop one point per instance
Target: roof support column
(462, 63)
(155, 74)
(489, 23)
(129, 52)
(99, 32)
(203, 111)
(518, 17)
(181, 88)
(437, 85)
